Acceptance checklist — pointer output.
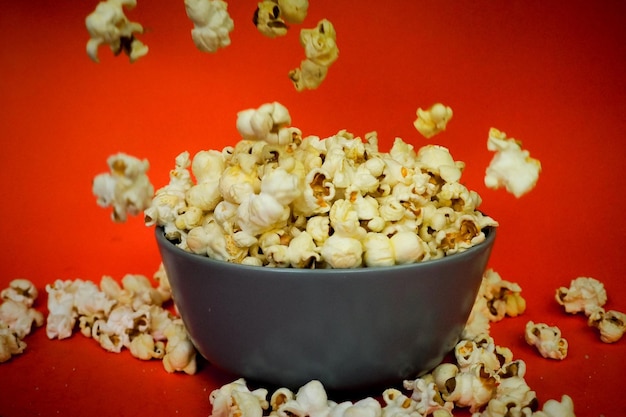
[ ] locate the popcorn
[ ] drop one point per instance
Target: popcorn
(212, 24)
(130, 315)
(17, 317)
(320, 49)
(20, 290)
(553, 408)
(180, 355)
(294, 11)
(10, 343)
(330, 196)
(511, 166)
(433, 120)
(169, 201)
(126, 188)
(611, 324)
(547, 340)
(472, 388)
(268, 20)
(583, 295)
(108, 25)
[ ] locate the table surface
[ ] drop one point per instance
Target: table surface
(550, 74)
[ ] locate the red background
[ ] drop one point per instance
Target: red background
(551, 74)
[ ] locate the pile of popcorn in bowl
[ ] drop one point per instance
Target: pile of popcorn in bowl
(281, 199)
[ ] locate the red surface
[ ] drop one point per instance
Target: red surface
(548, 73)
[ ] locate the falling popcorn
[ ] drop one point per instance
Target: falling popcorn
(511, 166)
(212, 24)
(108, 25)
(320, 49)
(127, 187)
(433, 120)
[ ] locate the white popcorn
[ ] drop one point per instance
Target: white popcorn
(126, 188)
(320, 43)
(180, 354)
(378, 250)
(235, 399)
(426, 397)
(437, 160)
(294, 11)
(321, 51)
(472, 388)
(611, 324)
(144, 347)
(511, 166)
(513, 395)
(308, 76)
(503, 297)
(342, 252)
(20, 290)
(212, 24)
(433, 120)
(108, 25)
(482, 351)
(169, 200)
(263, 123)
(61, 314)
(10, 343)
(19, 317)
(310, 400)
(547, 340)
(554, 408)
(583, 295)
(269, 20)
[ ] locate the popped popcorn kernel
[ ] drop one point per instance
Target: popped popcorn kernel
(511, 167)
(433, 120)
(584, 294)
(321, 50)
(126, 315)
(212, 24)
(108, 25)
(126, 187)
(547, 340)
(18, 318)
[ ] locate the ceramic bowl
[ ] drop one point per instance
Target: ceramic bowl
(348, 328)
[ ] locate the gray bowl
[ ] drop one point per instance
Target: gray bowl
(349, 328)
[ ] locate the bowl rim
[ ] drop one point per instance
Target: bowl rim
(489, 231)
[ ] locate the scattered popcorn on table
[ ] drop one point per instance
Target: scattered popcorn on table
(212, 24)
(611, 324)
(583, 295)
(17, 317)
(433, 120)
(279, 199)
(496, 299)
(320, 49)
(130, 315)
(108, 24)
(127, 187)
(547, 340)
(511, 166)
